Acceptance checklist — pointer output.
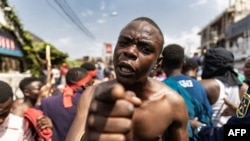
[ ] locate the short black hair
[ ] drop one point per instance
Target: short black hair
(88, 66)
(190, 64)
(173, 56)
(26, 81)
(5, 92)
(75, 74)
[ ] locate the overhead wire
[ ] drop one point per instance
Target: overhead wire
(74, 15)
(68, 11)
(57, 11)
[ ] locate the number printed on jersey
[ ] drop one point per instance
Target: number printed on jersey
(186, 83)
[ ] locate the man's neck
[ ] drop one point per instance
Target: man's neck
(174, 72)
(30, 103)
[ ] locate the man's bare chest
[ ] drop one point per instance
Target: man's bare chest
(150, 122)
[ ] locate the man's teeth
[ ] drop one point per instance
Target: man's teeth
(125, 69)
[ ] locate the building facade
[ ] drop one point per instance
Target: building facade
(216, 32)
(11, 54)
(238, 40)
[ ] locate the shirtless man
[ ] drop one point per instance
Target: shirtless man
(133, 107)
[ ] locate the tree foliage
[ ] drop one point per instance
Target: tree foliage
(34, 51)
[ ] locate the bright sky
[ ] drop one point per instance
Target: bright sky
(180, 21)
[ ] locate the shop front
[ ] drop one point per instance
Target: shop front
(10, 53)
(238, 40)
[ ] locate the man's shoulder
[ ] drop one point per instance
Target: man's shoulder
(211, 84)
(170, 88)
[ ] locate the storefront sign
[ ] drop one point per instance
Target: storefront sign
(108, 48)
(8, 45)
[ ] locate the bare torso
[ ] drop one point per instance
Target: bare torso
(159, 110)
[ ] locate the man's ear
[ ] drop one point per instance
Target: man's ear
(158, 62)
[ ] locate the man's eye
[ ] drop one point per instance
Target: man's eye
(122, 43)
(146, 49)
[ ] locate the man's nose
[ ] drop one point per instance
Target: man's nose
(131, 52)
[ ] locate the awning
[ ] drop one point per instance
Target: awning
(9, 45)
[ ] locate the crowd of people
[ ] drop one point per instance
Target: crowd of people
(150, 93)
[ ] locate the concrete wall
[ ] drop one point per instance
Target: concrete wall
(13, 80)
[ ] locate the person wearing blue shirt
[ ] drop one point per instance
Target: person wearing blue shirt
(172, 62)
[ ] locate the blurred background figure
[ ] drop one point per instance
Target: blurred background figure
(197, 58)
(190, 68)
(91, 68)
(247, 71)
(11, 125)
(63, 70)
(100, 66)
(61, 108)
(56, 75)
(109, 73)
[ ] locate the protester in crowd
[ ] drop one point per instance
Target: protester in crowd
(190, 68)
(90, 67)
(240, 75)
(100, 69)
(197, 58)
(173, 60)
(11, 126)
(61, 109)
(220, 81)
(63, 70)
(33, 90)
(172, 64)
(109, 73)
(191, 104)
(56, 75)
(133, 106)
(52, 88)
